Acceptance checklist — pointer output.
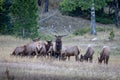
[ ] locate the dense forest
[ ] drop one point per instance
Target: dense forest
(20, 17)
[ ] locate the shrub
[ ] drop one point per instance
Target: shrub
(104, 20)
(112, 35)
(81, 31)
(100, 29)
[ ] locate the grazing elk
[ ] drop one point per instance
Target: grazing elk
(71, 51)
(104, 55)
(88, 55)
(19, 51)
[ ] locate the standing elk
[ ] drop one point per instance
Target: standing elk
(104, 55)
(88, 56)
(58, 46)
(49, 48)
(71, 51)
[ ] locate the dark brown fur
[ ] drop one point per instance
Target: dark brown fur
(104, 55)
(49, 48)
(58, 46)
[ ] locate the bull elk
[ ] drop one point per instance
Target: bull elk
(104, 55)
(58, 45)
(58, 41)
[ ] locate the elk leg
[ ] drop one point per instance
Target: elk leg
(91, 59)
(107, 60)
(68, 58)
(76, 58)
(36, 52)
(104, 60)
(87, 59)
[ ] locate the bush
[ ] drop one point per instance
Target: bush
(112, 35)
(81, 31)
(100, 29)
(104, 20)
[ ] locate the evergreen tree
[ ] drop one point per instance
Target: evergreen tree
(25, 15)
(5, 24)
(71, 5)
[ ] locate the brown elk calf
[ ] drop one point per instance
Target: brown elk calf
(71, 51)
(104, 55)
(88, 56)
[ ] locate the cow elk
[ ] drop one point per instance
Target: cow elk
(88, 56)
(33, 47)
(19, 51)
(71, 51)
(104, 55)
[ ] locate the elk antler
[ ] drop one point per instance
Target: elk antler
(62, 33)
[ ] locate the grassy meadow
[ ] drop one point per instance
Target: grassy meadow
(26, 68)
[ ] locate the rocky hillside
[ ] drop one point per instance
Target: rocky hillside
(60, 23)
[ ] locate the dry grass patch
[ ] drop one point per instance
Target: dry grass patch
(24, 68)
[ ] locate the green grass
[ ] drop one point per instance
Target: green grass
(83, 31)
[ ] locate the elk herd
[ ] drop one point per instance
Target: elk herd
(56, 50)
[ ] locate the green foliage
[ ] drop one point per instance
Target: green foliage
(5, 24)
(100, 29)
(81, 31)
(112, 35)
(25, 15)
(71, 5)
(81, 8)
(104, 20)
(1, 3)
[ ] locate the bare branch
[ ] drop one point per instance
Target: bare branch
(48, 16)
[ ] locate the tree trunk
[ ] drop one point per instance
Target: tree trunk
(93, 22)
(39, 2)
(116, 13)
(46, 5)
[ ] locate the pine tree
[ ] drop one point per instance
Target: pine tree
(25, 15)
(5, 24)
